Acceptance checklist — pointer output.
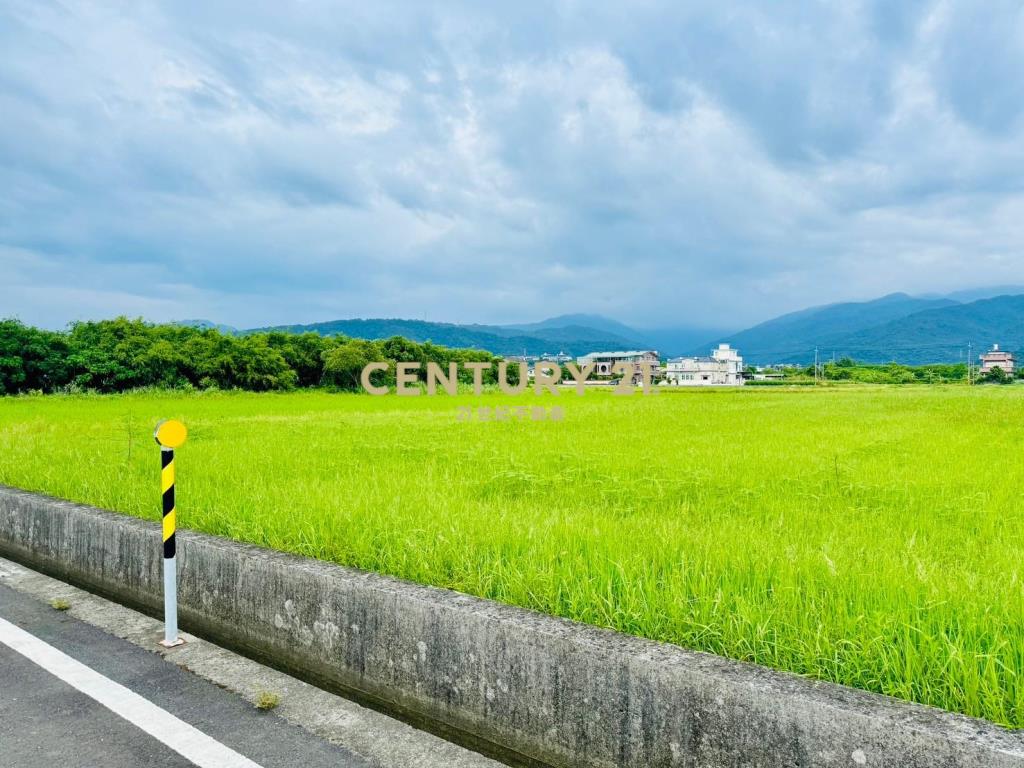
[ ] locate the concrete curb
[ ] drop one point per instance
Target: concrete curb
(549, 689)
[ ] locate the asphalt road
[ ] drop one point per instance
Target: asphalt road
(45, 722)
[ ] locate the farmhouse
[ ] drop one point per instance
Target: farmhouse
(997, 358)
(723, 368)
(604, 362)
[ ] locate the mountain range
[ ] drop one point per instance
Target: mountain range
(897, 327)
(539, 339)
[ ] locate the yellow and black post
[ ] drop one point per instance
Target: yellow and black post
(169, 435)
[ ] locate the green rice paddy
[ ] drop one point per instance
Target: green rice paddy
(868, 536)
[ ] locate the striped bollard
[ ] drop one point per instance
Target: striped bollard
(169, 435)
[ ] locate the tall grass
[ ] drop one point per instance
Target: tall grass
(868, 536)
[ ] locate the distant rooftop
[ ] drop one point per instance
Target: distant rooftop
(996, 352)
(631, 353)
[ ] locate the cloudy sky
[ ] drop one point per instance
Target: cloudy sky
(662, 163)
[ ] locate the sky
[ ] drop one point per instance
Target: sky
(666, 164)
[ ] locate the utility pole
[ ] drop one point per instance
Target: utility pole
(815, 365)
(970, 364)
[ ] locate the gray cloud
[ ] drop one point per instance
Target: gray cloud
(664, 163)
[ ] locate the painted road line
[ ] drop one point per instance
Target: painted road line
(189, 742)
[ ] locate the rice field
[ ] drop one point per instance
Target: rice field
(868, 536)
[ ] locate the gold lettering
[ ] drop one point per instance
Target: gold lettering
(435, 375)
(404, 377)
(367, 382)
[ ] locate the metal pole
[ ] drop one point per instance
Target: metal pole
(170, 561)
(169, 435)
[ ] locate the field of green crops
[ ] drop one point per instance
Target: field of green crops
(867, 536)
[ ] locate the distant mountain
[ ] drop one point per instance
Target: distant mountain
(500, 340)
(207, 324)
(909, 329)
(568, 334)
(596, 322)
(942, 334)
(897, 327)
(575, 334)
(990, 292)
(673, 342)
(789, 337)
(668, 341)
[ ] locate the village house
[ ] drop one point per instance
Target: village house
(768, 374)
(604, 362)
(532, 360)
(561, 358)
(723, 368)
(997, 358)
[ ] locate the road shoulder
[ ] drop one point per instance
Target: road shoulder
(371, 736)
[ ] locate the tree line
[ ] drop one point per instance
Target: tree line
(848, 369)
(123, 354)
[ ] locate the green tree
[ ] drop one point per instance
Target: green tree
(31, 359)
(258, 366)
(996, 376)
(304, 354)
(343, 365)
(121, 354)
(108, 356)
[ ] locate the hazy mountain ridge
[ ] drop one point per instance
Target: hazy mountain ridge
(579, 320)
(908, 329)
(897, 327)
(787, 338)
(204, 325)
(500, 340)
(942, 335)
(575, 334)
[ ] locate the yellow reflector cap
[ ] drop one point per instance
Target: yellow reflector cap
(170, 433)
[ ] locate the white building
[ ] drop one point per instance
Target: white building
(605, 361)
(723, 368)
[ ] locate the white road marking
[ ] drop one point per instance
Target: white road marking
(187, 741)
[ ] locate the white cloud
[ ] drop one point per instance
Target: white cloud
(666, 163)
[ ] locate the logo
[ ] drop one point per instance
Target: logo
(546, 376)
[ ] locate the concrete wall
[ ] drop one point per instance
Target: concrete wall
(550, 689)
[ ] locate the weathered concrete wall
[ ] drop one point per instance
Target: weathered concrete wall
(556, 691)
